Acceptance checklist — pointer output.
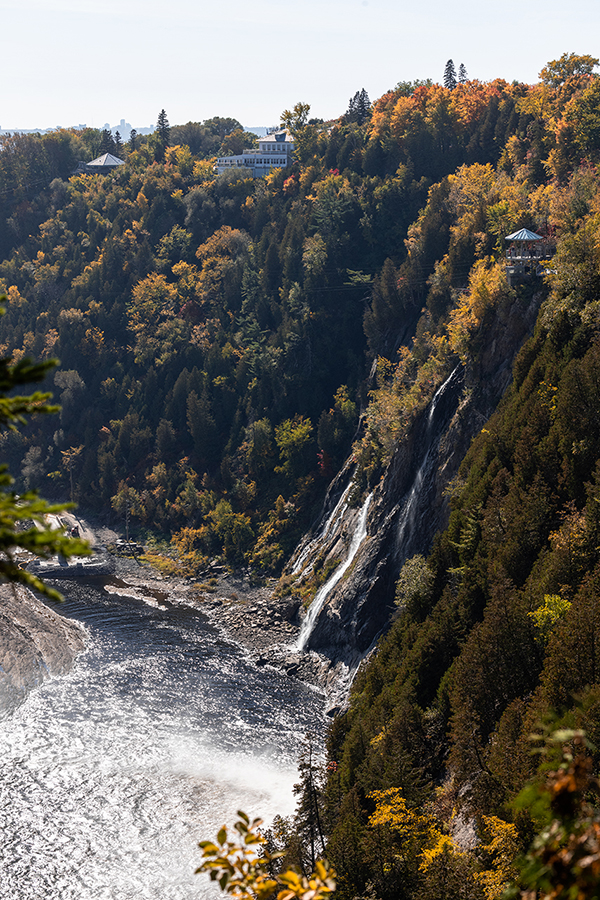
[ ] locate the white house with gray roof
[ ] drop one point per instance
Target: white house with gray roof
(274, 152)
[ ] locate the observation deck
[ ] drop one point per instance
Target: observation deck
(526, 253)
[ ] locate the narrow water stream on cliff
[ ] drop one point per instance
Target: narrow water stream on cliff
(111, 774)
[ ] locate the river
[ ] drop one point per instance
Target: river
(110, 775)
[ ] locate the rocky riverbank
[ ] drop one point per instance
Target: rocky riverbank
(35, 641)
(244, 612)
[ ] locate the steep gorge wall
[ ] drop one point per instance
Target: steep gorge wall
(409, 505)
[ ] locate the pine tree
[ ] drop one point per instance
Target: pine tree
(359, 108)
(132, 140)
(163, 134)
(462, 74)
(309, 792)
(107, 144)
(450, 75)
(118, 144)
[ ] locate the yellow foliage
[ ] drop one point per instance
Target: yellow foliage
(204, 171)
(377, 740)
(443, 844)
(241, 867)
(487, 285)
(538, 101)
(472, 190)
(93, 341)
(405, 118)
(503, 847)
(417, 832)
(14, 297)
(550, 612)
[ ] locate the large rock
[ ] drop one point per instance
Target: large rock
(35, 641)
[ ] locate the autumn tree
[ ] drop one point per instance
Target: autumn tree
(24, 517)
(296, 119)
(557, 71)
(243, 867)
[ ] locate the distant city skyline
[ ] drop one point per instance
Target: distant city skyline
(124, 128)
(75, 61)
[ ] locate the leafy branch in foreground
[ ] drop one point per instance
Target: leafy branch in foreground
(563, 862)
(24, 518)
(243, 867)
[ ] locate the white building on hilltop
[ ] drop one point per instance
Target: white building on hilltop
(274, 152)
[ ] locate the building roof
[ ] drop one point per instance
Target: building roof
(107, 159)
(524, 235)
(276, 136)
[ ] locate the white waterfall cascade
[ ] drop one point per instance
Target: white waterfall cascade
(335, 517)
(316, 606)
(408, 513)
(438, 394)
(410, 508)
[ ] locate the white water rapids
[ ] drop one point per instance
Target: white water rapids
(111, 774)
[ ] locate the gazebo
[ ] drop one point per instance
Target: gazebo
(525, 252)
(103, 165)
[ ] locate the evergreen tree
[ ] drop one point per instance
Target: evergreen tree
(308, 815)
(450, 75)
(118, 144)
(132, 140)
(107, 144)
(24, 517)
(359, 108)
(462, 74)
(163, 134)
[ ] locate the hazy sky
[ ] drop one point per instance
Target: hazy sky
(67, 62)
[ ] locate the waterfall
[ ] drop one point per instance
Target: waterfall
(315, 607)
(439, 393)
(410, 508)
(409, 513)
(335, 516)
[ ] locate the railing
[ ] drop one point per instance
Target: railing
(515, 254)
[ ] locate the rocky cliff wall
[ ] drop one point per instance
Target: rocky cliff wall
(409, 505)
(35, 641)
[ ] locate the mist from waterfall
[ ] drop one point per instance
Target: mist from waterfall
(111, 774)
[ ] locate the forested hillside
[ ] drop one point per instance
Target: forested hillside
(219, 338)
(214, 333)
(496, 632)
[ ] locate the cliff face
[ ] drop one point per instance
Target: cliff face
(35, 642)
(408, 506)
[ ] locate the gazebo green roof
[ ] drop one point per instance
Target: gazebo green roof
(524, 235)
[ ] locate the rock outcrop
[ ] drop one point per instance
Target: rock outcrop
(35, 641)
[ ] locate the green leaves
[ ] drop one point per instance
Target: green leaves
(26, 519)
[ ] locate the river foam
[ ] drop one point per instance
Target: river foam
(110, 774)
